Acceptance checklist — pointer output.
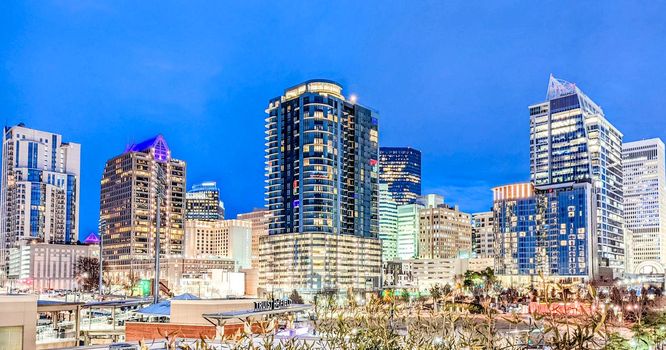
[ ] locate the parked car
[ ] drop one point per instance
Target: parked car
(123, 346)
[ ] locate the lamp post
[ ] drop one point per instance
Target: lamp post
(160, 194)
(102, 229)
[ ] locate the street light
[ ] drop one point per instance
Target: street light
(102, 229)
(160, 194)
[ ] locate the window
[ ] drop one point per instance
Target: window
(11, 338)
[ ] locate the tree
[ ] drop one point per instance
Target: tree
(87, 273)
(436, 294)
(295, 297)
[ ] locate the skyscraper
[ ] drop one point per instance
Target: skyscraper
(645, 202)
(572, 141)
(39, 197)
(400, 168)
(388, 223)
(130, 186)
(321, 192)
(203, 202)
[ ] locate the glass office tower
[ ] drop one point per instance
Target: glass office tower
(321, 192)
(388, 224)
(400, 168)
(572, 141)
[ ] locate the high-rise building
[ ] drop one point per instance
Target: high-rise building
(572, 141)
(645, 203)
(408, 225)
(444, 233)
(259, 219)
(130, 186)
(546, 230)
(408, 230)
(400, 168)
(203, 202)
(321, 192)
(388, 223)
(483, 236)
(39, 197)
(219, 238)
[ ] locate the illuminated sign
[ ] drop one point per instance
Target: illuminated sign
(271, 304)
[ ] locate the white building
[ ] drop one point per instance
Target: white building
(42, 266)
(39, 194)
(645, 202)
(219, 283)
(483, 236)
(425, 273)
(388, 223)
(219, 238)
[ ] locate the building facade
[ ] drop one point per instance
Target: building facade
(572, 141)
(39, 195)
(259, 219)
(203, 202)
(321, 192)
(388, 223)
(444, 233)
(645, 202)
(400, 169)
(44, 266)
(220, 238)
(130, 186)
(483, 236)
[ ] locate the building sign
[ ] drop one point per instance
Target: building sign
(271, 304)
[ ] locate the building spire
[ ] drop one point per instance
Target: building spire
(559, 87)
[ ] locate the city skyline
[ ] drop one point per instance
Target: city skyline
(447, 102)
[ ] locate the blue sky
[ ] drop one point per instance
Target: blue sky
(450, 78)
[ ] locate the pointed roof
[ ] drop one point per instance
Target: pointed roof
(92, 238)
(156, 143)
(559, 87)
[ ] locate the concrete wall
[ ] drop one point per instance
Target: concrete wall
(20, 310)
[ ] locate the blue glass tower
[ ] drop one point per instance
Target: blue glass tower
(546, 230)
(572, 141)
(321, 191)
(400, 168)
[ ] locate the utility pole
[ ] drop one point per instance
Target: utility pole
(160, 193)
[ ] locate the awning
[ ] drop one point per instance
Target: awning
(219, 318)
(163, 308)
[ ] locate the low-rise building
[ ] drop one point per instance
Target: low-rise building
(425, 273)
(43, 266)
